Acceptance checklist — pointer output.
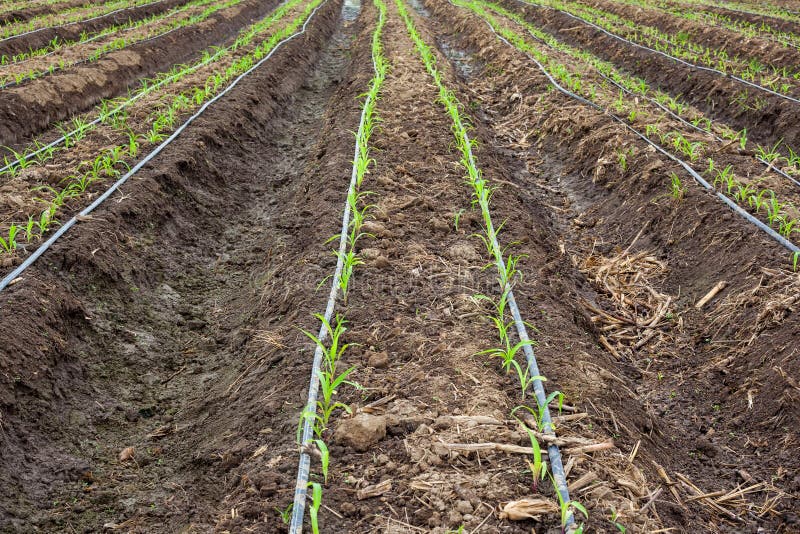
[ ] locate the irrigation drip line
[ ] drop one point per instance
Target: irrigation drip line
(553, 451)
(303, 469)
(100, 34)
(88, 60)
(674, 115)
(4, 283)
(673, 58)
(699, 179)
(144, 92)
(79, 21)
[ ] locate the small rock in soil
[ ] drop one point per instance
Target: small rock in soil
(465, 507)
(378, 360)
(361, 432)
(127, 454)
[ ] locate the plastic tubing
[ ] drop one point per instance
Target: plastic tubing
(699, 179)
(673, 58)
(303, 469)
(79, 21)
(74, 220)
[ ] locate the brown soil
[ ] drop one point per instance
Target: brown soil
(77, 54)
(155, 372)
(766, 117)
(146, 354)
(54, 98)
(735, 43)
(23, 14)
(71, 32)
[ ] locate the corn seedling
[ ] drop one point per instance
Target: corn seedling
(795, 261)
(285, 514)
(767, 154)
(676, 187)
(538, 467)
(325, 457)
(567, 512)
(316, 504)
(328, 378)
(9, 244)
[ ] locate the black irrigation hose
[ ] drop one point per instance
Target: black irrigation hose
(699, 179)
(91, 59)
(5, 282)
(674, 115)
(79, 21)
(673, 58)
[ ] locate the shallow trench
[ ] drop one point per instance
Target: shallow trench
(124, 404)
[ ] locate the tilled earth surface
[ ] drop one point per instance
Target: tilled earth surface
(153, 368)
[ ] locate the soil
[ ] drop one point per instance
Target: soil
(154, 370)
(766, 117)
(71, 32)
(26, 13)
(66, 93)
(736, 44)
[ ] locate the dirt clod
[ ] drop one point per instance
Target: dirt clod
(378, 360)
(361, 432)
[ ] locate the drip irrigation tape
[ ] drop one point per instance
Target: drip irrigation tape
(98, 57)
(142, 93)
(699, 179)
(673, 58)
(303, 469)
(79, 21)
(553, 452)
(674, 115)
(74, 220)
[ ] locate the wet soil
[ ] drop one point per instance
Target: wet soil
(135, 344)
(30, 109)
(693, 389)
(713, 37)
(23, 14)
(766, 117)
(155, 372)
(71, 32)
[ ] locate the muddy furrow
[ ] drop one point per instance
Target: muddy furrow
(766, 117)
(40, 38)
(31, 109)
(711, 390)
(176, 287)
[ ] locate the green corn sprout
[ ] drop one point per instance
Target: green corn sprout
(316, 503)
(9, 244)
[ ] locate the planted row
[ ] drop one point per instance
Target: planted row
(69, 16)
(86, 37)
(112, 161)
(782, 216)
(315, 419)
(779, 80)
(506, 267)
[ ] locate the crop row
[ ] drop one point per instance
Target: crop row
(326, 375)
(746, 28)
(113, 115)
(762, 9)
(507, 274)
(781, 216)
(85, 37)
(21, 5)
(153, 31)
(69, 16)
(640, 89)
(779, 81)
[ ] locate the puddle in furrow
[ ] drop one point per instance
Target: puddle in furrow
(419, 8)
(351, 9)
(466, 67)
